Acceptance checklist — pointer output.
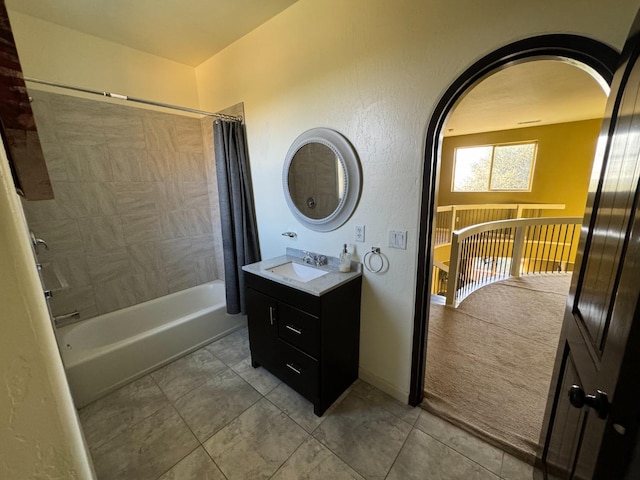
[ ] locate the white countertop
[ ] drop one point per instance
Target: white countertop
(317, 287)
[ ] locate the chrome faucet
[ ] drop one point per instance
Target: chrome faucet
(314, 259)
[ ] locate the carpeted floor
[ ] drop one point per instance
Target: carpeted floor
(489, 361)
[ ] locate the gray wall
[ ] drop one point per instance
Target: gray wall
(133, 216)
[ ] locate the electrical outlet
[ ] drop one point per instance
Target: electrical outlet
(398, 239)
(359, 233)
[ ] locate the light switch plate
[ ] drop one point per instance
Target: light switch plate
(398, 239)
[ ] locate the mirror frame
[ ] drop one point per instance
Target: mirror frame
(347, 155)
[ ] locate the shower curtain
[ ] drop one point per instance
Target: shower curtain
(237, 212)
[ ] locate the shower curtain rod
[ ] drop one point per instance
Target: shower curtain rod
(221, 116)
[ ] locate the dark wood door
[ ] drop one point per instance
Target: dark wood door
(598, 342)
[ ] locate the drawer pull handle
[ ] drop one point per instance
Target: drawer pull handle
(294, 368)
(272, 314)
(294, 330)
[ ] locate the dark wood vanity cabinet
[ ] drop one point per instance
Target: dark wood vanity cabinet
(311, 343)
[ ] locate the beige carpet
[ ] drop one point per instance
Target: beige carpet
(489, 361)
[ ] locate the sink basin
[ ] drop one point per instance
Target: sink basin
(298, 272)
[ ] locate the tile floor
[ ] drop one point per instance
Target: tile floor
(210, 416)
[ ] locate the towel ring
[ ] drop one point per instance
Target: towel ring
(369, 256)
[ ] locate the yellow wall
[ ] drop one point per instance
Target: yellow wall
(51, 52)
(562, 170)
(373, 70)
(40, 435)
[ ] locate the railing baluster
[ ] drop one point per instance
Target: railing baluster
(546, 245)
(480, 254)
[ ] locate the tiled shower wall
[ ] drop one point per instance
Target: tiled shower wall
(135, 214)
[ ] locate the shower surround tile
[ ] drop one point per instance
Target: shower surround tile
(83, 134)
(107, 266)
(87, 163)
(101, 234)
(145, 257)
(128, 164)
(135, 197)
(150, 285)
(189, 139)
(159, 132)
(141, 227)
(124, 176)
(123, 131)
(146, 449)
(115, 294)
(55, 158)
(62, 236)
(169, 195)
(181, 277)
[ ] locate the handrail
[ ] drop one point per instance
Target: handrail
(441, 266)
(516, 222)
(503, 206)
(491, 251)
(452, 217)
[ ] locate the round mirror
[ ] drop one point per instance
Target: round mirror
(321, 179)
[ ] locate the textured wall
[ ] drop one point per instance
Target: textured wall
(40, 435)
(373, 70)
(132, 217)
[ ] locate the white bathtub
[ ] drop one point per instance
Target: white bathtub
(103, 353)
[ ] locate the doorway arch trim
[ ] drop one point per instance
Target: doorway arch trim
(592, 54)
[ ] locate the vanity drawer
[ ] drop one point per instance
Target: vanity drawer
(298, 370)
(299, 329)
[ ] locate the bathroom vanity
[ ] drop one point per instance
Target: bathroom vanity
(305, 331)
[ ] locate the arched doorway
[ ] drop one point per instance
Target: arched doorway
(594, 57)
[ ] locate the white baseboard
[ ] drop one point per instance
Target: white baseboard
(383, 385)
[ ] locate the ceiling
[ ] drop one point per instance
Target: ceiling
(539, 92)
(187, 31)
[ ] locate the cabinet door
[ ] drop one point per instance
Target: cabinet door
(263, 329)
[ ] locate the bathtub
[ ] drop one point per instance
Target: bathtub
(104, 353)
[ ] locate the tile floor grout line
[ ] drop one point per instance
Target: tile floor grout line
(465, 456)
(200, 443)
(399, 452)
(227, 424)
(214, 462)
(172, 466)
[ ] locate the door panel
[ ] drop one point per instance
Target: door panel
(593, 349)
(566, 442)
(602, 267)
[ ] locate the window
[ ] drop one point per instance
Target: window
(494, 168)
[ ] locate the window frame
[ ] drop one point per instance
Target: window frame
(493, 146)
